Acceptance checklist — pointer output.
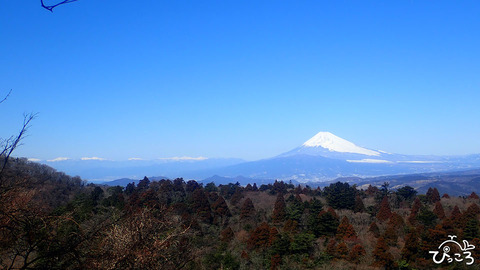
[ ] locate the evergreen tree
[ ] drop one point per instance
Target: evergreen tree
(406, 192)
(356, 254)
(345, 230)
(456, 216)
(473, 196)
(191, 186)
(432, 195)
(144, 183)
(279, 212)
(414, 210)
(471, 229)
(325, 224)
(411, 248)
(260, 237)
(382, 257)
(359, 206)
(295, 208)
(236, 197)
(438, 210)
(220, 207)
(384, 212)
(390, 235)
(248, 210)
(340, 195)
(201, 205)
(342, 251)
(427, 217)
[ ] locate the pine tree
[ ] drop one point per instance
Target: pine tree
(411, 248)
(326, 223)
(201, 205)
(345, 230)
(396, 221)
(432, 195)
(220, 207)
(290, 226)
(342, 251)
(414, 210)
(382, 257)
(471, 229)
(384, 212)
(438, 210)
(372, 191)
(340, 195)
(359, 206)
(295, 208)
(279, 213)
(473, 196)
(473, 210)
(275, 262)
(236, 197)
(248, 210)
(456, 216)
(390, 235)
(260, 237)
(331, 248)
(356, 253)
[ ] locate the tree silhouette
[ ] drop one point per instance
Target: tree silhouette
(7, 146)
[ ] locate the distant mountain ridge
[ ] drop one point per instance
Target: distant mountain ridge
(326, 156)
(323, 157)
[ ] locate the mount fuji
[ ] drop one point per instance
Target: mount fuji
(326, 156)
(323, 157)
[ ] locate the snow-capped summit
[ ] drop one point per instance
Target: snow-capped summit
(334, 143)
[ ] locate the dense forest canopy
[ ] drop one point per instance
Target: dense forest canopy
(49, 220)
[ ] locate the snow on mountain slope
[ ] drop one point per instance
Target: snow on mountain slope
(336, 144)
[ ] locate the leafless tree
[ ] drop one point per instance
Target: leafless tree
(50, 7)
(7, 146)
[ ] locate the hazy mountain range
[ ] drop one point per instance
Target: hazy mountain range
(322, 158)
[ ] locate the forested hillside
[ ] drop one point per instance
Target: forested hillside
(49, 220)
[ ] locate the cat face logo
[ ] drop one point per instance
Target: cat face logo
(452, 250)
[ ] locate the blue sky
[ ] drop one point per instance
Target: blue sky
(247, 79)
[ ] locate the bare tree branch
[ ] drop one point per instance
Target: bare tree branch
(51, 7)
(5, 98)
(15, 141)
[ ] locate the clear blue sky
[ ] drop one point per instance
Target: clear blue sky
(247, 79)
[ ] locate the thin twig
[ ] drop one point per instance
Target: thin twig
(5, 98)
(51, 7)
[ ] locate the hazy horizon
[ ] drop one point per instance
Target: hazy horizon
(245, 80)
